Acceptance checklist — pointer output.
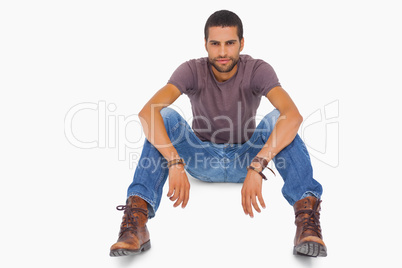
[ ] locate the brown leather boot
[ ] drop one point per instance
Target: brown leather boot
(134, 235)
(308, 239)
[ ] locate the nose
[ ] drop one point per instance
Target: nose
(222, 50)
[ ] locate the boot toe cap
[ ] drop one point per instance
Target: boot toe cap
(314, 239)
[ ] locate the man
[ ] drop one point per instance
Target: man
(224, 144)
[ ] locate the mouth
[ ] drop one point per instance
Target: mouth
(223, 61)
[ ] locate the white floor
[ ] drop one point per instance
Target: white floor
(74, 74)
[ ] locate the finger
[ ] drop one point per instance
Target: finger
(170, 192)
(171, 188)
(175, 195)
(186, 198)
(255, 205)
(178, 202)
(179, 199)
(248, 207)
(243, 203)
(261, 200)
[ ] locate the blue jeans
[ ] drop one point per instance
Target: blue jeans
(211, 162)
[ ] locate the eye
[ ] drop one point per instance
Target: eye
(229, 43)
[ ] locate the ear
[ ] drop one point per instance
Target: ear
(206, 44)
(241, 44)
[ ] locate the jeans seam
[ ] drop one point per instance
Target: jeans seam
(159, 181)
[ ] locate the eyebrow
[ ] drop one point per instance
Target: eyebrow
(215, 41)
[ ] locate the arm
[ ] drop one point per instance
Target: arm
(152, 121)
(287, 125)
(155, 132)
(284, 132)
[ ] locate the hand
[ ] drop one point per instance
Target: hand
(252, 189)
(179, 187)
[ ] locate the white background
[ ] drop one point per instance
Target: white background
(58, 200)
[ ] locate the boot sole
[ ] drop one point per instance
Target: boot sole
(310, 249)
(125, 252)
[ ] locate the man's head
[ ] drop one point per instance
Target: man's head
(224, 41)
(224, 18)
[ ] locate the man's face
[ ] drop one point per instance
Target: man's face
(223, 47)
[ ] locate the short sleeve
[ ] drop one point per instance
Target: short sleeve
(183, 78)
(264, 79)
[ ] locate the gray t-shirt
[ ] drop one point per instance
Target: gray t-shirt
(225, 112)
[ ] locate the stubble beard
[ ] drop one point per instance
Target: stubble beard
(223, 69)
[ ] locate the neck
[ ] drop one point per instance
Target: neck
(222, 77)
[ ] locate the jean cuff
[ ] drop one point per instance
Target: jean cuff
(309, 193)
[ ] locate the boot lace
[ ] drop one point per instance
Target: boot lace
(312, 221)
(130, 218)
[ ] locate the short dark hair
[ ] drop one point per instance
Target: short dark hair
(224, 18)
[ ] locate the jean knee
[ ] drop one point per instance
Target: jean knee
(169, 112)
(170, 116)
(269, 121)
(176, 126)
